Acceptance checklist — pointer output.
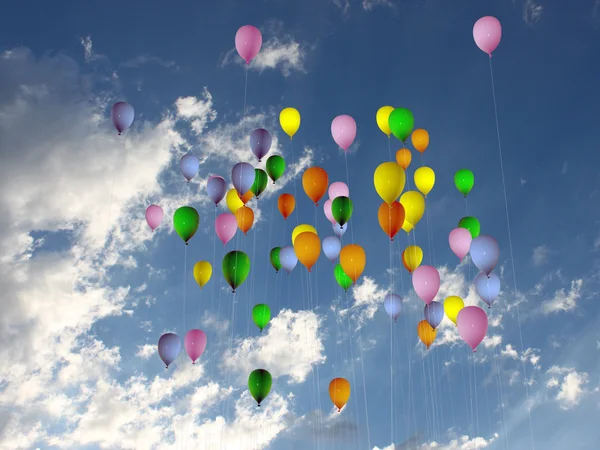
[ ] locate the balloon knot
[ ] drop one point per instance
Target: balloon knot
(258, 405)
(194, 362)
(489, 306)
(187, 244)
(339, 410)
(233, 291)
(166, 367)
(395, 320)
(309, 270)
(119, 133)
(391, 239)
(474, 351)
(261, 331)
(316, 203)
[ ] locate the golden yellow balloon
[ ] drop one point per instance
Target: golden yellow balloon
(301, 229)
(289, 119)
(407, 226)
(233, 201)
(424, 179)
(414, 207)
(339, 392)
(426, 333)
(202, 272)
(382, 117)
(413, 257)
(389, 179)
(420, 139)
(452, 306)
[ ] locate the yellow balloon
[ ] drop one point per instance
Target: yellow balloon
(289, 119)
(414, 206)
(202, 272)
(424, 179)
(389, 179)
(233, 201)
(301, 229)
(382, 117)
(413, 256)
(452, 306)
(426, 333)
(407, 226)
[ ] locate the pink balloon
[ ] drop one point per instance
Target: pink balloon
(248, 41)
(343, 130)
(472, 323)
(338, 189)
(328, 211)
(195, 343)
(225, 227)
(460, 242)
(426, 282)
(154, 216)
(487, 33)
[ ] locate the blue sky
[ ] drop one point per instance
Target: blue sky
(87, 289)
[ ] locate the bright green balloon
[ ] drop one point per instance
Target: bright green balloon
(274, 256)
(236, 267)
(471, 224)
(341, 209)
(340, 276)
(275, 167)
(186, 221)
(260, 182)
(464, 181)
(401, 122)
(261, 314)
(259, 383)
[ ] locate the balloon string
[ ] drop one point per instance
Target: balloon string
(390, 147)
(184, 283)
(294, 179)
(348, 181)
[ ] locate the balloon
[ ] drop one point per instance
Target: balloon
(353, 260)
(487, 33)
(413, 257)
(485, 252)
(414, 206)
(246, 197)
(202, 272)
(260, 183)
(343, 130)
(464, 181)
(339, 230)
(122, 115)
(426, 333)
(389, 179)
(233, 201)
(289, 119)
(301, 229)
(382, 117)
(186, 221)
(452, 306)
(225, 226)
(328, 212)
(460, 242)
(406, 266)
(426, 282)
(393, 305)
(216, 187)
(420, 139)
(331, 247)
(341, 208)
(391, 218)
(154, 216)
(288, 258)
(261, 314)
(274, 257)
(471, 224)
(307, 247)
(342, 279)
(236, 267)
(487, 287)
(339, 392)
(275, 167)
(245, 218)
(401, 123)
(169, 347)
(314, 182)
(434, 314)
(248, 41)
(259, 383)
(260, 143)
(242, 177)
(472, 322)
(195, 343)
(338, 189)
(403, 158)
(189, 166)
(424, 179)
(286, 204)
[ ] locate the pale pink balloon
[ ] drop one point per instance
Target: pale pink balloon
(343, 130)
(487, 33)
(195, 343)
(248, 41)
(460, 242)
(338, 189)
(226, 227)
(154, 216)
(472, 323)
(328, 211)
(426, 282)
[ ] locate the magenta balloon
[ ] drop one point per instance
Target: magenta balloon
(154, 216)
(328, 211)
(472, 323)
(460, 242)
(426, 282)
(487, 33)
(338, 189)
(195, 343)
(343, 130)
(225, 227)
(248, 41)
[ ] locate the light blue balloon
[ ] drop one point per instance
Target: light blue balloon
(189, 165)
(339, 230)
(393, 305)
(169, 347)
(332, 247)
(484, 253)
(242, 177)
(487, 287)
(288, 258)
(434, 314)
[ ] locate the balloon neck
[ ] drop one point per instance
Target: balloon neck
(119, 133)
(316, 203)
(339, 410)
(309, 270)
(233, 291)
(187, 244)
(490, 55)
(166, 367)
(194, 362)
(489, 306)
(391, 239)
(259, 160)
(258, 405)
(261, 330)
(395, 320)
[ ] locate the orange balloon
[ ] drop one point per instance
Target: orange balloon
(426, 333)
(339, 391)
(420, 139)
(391, 218)
(245, 218)
(353, 260)
(406, 266)
(307, 247)
(315, 182)
(403, 158)
(246, 197)
(286, 204)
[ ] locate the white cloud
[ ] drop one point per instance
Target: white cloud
(571, 388)
(562, 300)
(88, 51)
(532, 11)
(368, 297)
(540, 255)
(463, 442)
(369, 5)
(198, 111)
(146, 351)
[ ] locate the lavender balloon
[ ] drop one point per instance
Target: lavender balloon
(288, 258)
(485, 252)
(434, 314)
(242, 177)
(189, 165)
(169, 347)
(122, 115)
(339, 230)
(332, 247)
(393, 305)
(260, 143)
(487, 287)
(216, 188)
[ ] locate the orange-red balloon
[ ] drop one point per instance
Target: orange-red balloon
(339, 392)
(391, 218)
(420, 139)
(286, 204)
(246, 197)
(426, 333)
(245, 218)
(315, 182)
(403, 158)
(353, 260)
(307, 247)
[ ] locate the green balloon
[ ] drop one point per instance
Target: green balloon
(340, 276)
(471, 224)
(341, 209)
(236, 267)
(261, 314)
(275, 167)
(464, 181)
(259, 383)
(260, 182)
(401, 122)
(186, 221)
(274, 256)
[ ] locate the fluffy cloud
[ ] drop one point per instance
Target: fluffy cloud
(532, 11)
(564, 300)
(457, 443)
(569, 384)
(368, 297)
(540, 255)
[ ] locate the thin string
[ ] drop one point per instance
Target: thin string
(390, 147)
(184, 284)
